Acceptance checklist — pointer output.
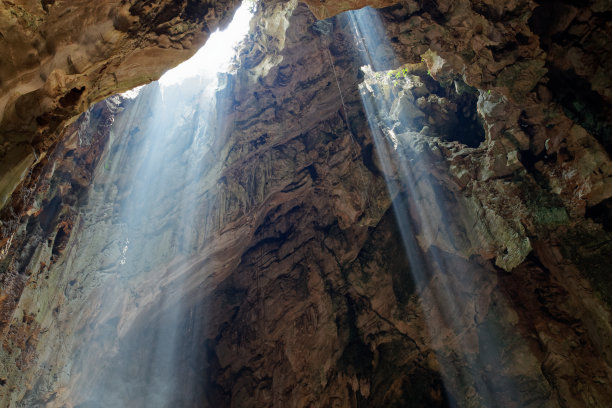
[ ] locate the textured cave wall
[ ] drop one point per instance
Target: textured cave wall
(301, 296)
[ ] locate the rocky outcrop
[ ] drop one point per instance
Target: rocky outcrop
(292, 280)
(327, 9)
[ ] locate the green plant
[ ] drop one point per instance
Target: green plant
(398, 73)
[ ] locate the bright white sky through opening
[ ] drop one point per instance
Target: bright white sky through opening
(216, 55)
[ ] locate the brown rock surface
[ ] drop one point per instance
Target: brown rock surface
(293, 282)
(327, 9)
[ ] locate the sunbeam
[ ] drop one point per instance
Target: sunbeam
(393, 118)
(156, 175)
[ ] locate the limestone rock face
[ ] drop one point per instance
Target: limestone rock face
(449, 247)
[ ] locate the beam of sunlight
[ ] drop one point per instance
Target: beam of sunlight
(408, 179)
(143, 219)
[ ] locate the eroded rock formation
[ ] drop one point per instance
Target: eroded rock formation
(295, 289)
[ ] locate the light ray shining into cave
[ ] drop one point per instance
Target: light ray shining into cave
(149, 190)
(416, 192)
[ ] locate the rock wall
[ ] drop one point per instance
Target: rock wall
(298, 289)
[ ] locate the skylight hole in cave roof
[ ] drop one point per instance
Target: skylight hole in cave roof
(216, 55)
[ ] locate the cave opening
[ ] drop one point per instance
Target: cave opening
(217, 54)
